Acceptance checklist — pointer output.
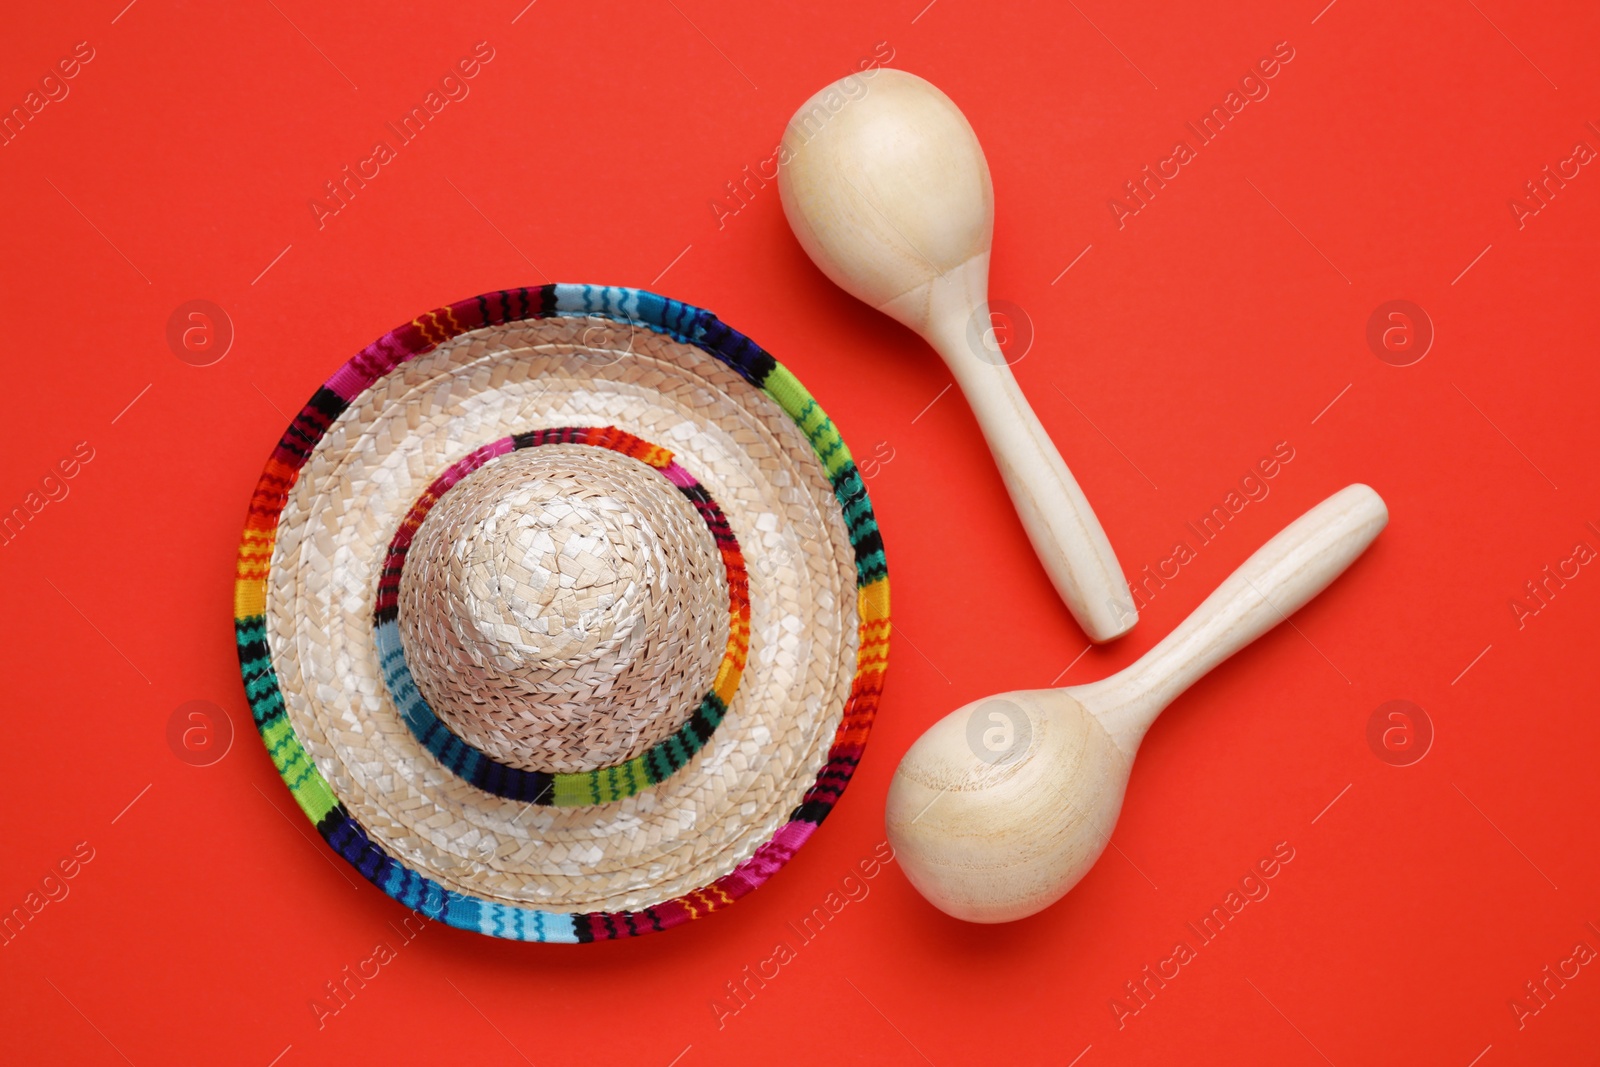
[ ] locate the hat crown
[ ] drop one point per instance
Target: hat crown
(563, 608)
(548, 575)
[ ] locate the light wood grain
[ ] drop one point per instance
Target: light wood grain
(995, 832)
(890, 195)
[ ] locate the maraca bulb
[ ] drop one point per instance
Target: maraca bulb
(889, 190)
(1003, 805)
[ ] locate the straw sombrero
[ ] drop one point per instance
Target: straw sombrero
(563, 613)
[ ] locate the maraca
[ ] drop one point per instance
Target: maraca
(889, 194)
(1003, 805)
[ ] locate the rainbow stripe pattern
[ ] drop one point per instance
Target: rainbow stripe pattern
(689, 325)
(602, 785)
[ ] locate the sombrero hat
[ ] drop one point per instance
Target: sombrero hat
(563, 613)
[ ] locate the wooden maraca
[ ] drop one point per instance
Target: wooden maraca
(889, 193)
(1003, 805)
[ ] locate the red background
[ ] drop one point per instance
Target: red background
(1223, 319)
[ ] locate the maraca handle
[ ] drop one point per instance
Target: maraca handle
(1066, 534)
(1267, 588)
(952, 313)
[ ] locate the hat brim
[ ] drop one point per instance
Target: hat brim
(429, 392)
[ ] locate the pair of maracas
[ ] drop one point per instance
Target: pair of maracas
(1003, 805)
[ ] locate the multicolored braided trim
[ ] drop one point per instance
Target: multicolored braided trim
(604, 784)
(687, 324)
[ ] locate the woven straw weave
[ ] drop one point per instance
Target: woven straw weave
(559, 604)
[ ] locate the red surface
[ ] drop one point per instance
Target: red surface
(1220, 321)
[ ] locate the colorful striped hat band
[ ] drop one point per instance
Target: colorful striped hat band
(563, 613)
